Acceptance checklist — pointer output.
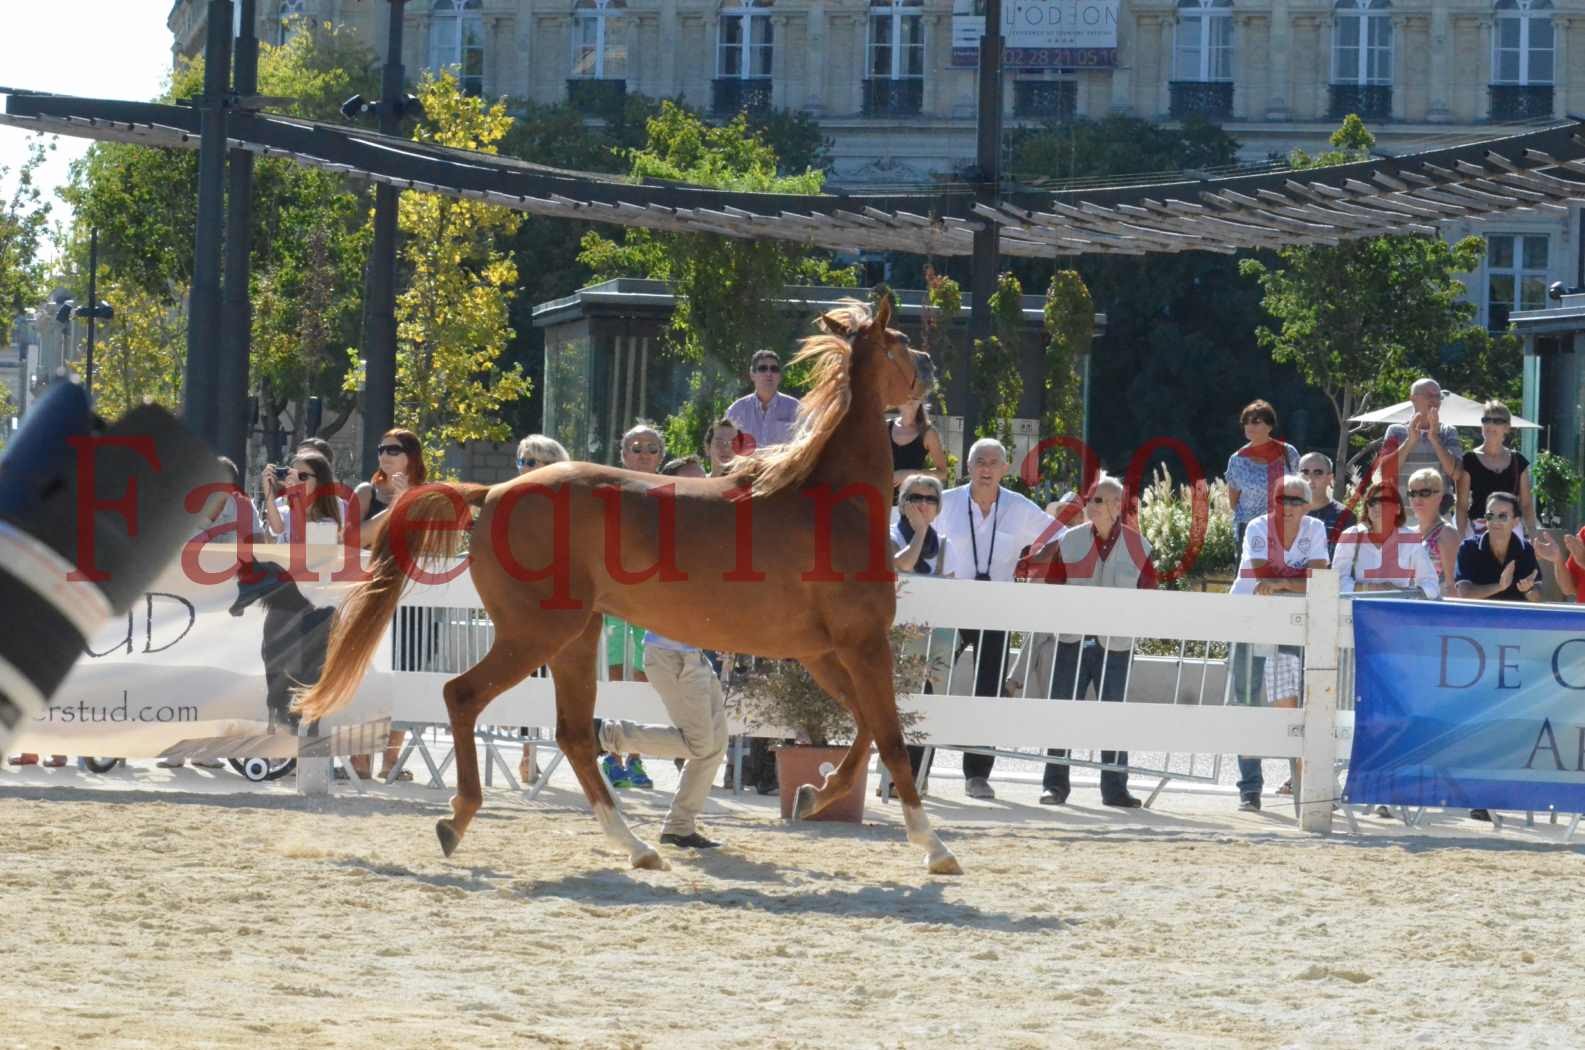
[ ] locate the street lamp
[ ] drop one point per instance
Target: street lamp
(64, 312)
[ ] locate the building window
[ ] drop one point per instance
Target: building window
(289, 21)
(1203, 48)
(456, 42)
(895, 73)
(1522, 45)
(1050, 100)
(598, 53)
(1516, 275)
(1362, 60)
(743, 59)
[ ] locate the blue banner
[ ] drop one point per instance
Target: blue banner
(1478, 705)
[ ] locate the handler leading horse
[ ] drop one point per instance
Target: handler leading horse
(785, 557)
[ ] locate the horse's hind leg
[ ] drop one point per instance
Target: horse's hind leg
(870, 668)
(829, 673)
(573, 670)
(508, 662)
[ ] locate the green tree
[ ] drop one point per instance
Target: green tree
(452, 319)
(1361, 319)
(24, 217)
(142, 353)
(726, 288)
(309, 237)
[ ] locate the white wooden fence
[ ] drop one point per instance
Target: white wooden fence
(1152, 719)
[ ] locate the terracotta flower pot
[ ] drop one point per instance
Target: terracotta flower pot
(799, 765)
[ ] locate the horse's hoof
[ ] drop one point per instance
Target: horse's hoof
(803, 803)
(649, 860)
(946, 864)
(448, 835)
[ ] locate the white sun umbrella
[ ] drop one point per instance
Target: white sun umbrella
(1456, 410)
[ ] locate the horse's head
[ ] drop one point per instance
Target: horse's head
(881, 355)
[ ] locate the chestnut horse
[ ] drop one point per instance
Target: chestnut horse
(787, 557)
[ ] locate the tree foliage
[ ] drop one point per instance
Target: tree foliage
(452, 318)
(24, 217)
(142, 354)
(1360, 320)
(309, 237)
(725, 287)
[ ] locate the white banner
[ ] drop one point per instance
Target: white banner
(199, 668)
(1041, 34)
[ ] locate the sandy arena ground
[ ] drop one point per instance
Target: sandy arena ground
(151, 909)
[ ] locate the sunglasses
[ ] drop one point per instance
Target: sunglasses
(1294, 501)
(1315, 472)
(524, 464)
(391, 450)
(1424, 493)
(1495, 420)
(920, 497)
(767, 368)
(645, 450)
(1499, 518)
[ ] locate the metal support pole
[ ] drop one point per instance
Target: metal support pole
(379, 345)
(982, 277)
(237, 322)
(200, 390)
(1315, 788)
(93, 311)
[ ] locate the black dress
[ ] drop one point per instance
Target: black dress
(910, 456)
(1483, 481)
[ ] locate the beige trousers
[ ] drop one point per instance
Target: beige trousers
(692, 694)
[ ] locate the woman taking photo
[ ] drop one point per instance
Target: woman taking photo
(1494, 467)
(308, 483)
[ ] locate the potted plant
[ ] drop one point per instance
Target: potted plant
(782, 696)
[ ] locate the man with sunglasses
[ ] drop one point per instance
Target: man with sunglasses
(1316, 468)
(766, 416)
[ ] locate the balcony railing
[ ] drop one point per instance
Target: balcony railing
(1053, 100)
(1369, 101)
(741, 95)
(591, 95)
(1520, 101)
(1212, 99)
(894, 97)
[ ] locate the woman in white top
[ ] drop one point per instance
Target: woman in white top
(309, 483)
(1380, 554)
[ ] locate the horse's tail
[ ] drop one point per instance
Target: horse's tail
(361, 620)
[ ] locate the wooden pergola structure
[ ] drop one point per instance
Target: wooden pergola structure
(1536, 171)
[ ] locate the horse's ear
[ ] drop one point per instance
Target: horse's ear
(883, 313)
(836, 322)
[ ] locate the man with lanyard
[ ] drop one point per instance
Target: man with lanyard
(689, 688)
(986, 528)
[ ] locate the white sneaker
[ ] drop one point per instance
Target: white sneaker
(979, 787)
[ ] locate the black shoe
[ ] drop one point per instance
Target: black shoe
(768, 787)
(1480, 814)
(693, 840)
(1053, 797)
(1249, 804)
(1123, 802)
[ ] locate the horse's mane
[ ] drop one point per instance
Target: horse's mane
(819, 412)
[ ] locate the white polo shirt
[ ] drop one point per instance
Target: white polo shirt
(990, 541)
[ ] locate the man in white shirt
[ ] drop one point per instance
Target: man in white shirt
(986, 528)
(767, 416)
